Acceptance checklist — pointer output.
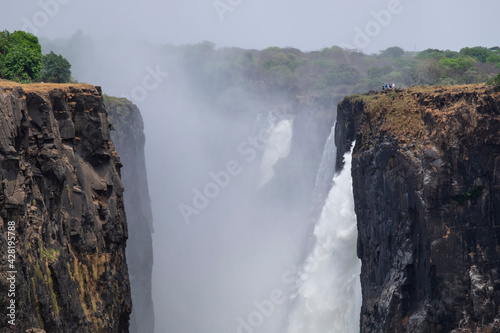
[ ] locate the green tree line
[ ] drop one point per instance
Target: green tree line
(21, 60)
(333, 70)
(329, 71)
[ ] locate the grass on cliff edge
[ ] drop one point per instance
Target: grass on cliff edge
(44, 87)
(394, 112)
(401, 113)
(115, 100)
(121, 108)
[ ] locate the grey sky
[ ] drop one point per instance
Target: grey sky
(308, 25)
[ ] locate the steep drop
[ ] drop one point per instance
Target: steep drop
(129, 139)
(426, 189)
(329, 292)
(61, 188)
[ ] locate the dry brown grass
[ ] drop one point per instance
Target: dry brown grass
(401, 113)
(45, 88)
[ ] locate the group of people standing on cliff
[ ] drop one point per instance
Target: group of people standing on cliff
(389, 86)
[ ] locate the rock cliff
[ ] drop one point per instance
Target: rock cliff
(61, 196)
(426, 179)
(129, 141)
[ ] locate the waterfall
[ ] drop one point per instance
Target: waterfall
(324, 176)
(278, 147)
(326, 167)
(328, 297)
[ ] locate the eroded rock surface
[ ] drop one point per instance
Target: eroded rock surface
(426, 178)
(61, 186)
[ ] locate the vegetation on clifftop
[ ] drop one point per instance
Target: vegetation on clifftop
(395, 112)
(332, 71)
(495, 82)
(21, 60)
(329, 72)
(55, 68)
(20, 56)
(406, 114)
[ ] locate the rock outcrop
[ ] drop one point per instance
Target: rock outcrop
(426, 179)
(61, 190)
(129, 141)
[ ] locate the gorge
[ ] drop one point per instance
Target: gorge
(273, 247)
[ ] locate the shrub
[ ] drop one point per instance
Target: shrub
(495, 82)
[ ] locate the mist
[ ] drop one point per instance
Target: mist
(231, 178)
(258, 24)
(236, 178)
(230, 181)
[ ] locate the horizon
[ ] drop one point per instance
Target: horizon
(370, 26)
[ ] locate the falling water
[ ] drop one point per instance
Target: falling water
(328, 299)
(278, 147)
(324, 176)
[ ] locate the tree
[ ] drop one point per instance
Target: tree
(55, 68)
(283, 59)
(393, 52)
(378, 72)
(493, 58)
(458, 64)
(431, 54)
(343, 74)
(21, 56)
(4, 42)
(479, 53)
(4, 48)
(437, 54)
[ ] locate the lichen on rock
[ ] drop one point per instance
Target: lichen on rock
(61, 186)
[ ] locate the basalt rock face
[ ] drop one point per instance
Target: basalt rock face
(129, 140)
(61, 187)
(426, 180)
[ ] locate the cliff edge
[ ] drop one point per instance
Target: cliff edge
(426, 180)
(61, 199)
(129, 140)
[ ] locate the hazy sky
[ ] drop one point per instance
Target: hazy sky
(308, 25)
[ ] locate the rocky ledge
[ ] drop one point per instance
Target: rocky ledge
(426, 179)
(61, 197)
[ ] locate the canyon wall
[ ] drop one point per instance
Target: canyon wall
(61, 199)
(129, 140)
(426, 179)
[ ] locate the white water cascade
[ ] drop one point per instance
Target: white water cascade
(328, 299)
(278, 147)
(326, 171)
